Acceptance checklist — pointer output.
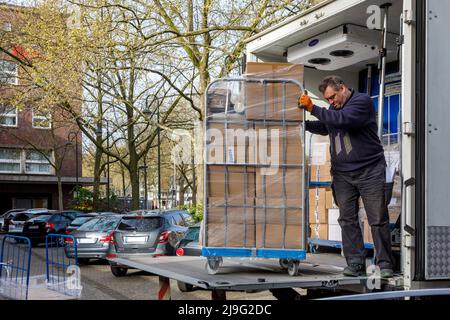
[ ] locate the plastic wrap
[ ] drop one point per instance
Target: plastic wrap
(254, 169)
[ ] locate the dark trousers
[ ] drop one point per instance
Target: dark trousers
(369, 183)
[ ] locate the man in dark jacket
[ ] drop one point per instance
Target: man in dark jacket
(358, 168)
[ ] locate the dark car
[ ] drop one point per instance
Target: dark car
(79, 221)
(38, 227)
(143, 232)
(188, 245)
(13, 221)
(93, 238)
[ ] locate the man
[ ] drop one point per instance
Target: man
(358, 169)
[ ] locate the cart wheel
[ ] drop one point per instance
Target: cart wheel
(284, 264)
(213, 264)
(312, 249)
(293, 267)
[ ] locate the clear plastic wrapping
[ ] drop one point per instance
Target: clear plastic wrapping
(254, 171)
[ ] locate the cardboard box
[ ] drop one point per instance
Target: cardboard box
(334, 232)
(235, 144)
(266, 101)
(333, 216)
(268, 214)
(279, 145)
(317, 206)
(367, 232)
(230, 214)
(274, 185)
(321, 173)
(329, 200)
(230, 235)
(319, 231)
(274, 236)
(240, 180)
(320, 153)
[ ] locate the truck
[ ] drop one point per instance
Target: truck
(396, 50)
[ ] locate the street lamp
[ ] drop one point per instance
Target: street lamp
(147, 111)
(144, 168)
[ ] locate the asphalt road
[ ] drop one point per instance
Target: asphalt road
(98, 283)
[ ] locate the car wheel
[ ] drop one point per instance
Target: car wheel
(185, 287)
(119, 271)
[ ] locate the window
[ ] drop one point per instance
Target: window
(178, 220)
(41, 119)
(8, 116)
(10, 160)
(36, 162)
(7, 26)
(8, 72)
(188, 219)
(140, 224)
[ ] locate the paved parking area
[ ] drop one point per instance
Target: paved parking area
(100, 284)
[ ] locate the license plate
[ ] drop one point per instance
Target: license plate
(135, 239)
(86, 240)
(33, 227)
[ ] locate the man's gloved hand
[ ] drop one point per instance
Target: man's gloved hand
(304, 102)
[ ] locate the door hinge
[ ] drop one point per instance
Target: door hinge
(408, 17)
(408, 128)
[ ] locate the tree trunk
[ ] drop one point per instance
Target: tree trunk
(182, 190)
(60, 193)
(122, 171)
(97, 174)
(134, 178)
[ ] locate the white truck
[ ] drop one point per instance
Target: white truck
(407, 40)
(344, 37)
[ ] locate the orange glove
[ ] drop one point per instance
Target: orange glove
(304, 102)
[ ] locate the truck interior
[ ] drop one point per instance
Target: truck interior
(343, 45)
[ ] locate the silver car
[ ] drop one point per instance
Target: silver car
(93, 238)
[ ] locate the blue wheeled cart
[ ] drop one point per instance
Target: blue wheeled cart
(255, 189)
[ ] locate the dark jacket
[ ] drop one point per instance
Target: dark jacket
(354, 142)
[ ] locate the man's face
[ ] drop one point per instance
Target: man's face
(335, 98)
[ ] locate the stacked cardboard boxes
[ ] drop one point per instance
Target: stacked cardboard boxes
(273, 101)
(320, 202)
(253, 199)
(320, 162)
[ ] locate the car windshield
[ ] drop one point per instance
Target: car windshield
(80, 221)
(106, 224)
(40, 218)
(192, 234)
(140, 224)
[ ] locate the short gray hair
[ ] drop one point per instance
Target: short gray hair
(334, 82)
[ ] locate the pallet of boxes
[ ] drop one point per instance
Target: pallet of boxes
(254, 170)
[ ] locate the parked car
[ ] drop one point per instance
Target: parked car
(73, 214)
(189, 246)
(6, 215)
(144, 232)
(13, 224)
(38, 227)
(93, 238)
(79, 221)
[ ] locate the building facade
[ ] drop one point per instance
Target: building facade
(38, 147)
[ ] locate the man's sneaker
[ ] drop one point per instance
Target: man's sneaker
(386, 273)
(355, 270)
